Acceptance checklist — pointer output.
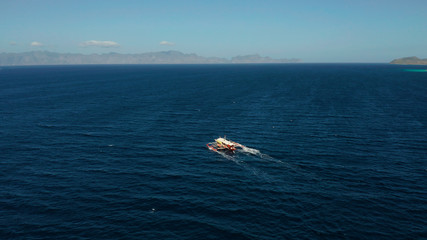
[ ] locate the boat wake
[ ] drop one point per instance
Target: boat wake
(225, 155)
(247, 157)
(255, 152)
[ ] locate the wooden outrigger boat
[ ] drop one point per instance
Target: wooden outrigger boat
(223, 144)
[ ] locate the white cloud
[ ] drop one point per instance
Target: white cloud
(12, 43)
(36, 44)
(94, 43)
(166, 43)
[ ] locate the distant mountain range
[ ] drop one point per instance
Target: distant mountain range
(165, 57)
(410, 61)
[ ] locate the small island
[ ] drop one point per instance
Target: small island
(410, 61)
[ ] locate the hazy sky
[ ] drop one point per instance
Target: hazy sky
(313, 30)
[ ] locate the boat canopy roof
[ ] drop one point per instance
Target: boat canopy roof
(224, 141)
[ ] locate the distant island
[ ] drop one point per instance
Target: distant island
(410, 61)
(164, 57)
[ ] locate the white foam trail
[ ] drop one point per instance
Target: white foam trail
(249, 151)
(226, 156)
(255, 152)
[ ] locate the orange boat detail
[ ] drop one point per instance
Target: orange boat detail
(223, 144)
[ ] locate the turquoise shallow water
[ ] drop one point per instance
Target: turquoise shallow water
(416, 70)
(119, 152)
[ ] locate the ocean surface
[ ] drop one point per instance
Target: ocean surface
(119, 152)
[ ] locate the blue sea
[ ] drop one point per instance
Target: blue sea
(119, 152)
